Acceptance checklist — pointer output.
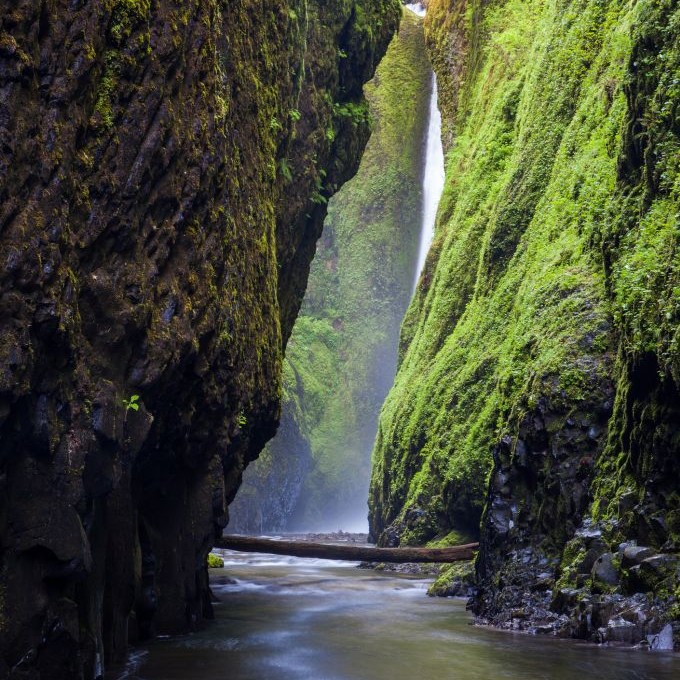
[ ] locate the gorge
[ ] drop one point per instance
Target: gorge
(165, 172)
(342, 354)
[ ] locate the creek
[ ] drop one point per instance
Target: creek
(283, 618)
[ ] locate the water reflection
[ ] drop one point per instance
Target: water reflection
(289, 619)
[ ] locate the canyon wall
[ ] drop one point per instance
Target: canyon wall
(161, 165)
(536, 401)
(341, 357)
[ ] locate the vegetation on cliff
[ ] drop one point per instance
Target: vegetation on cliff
(341, 357)
(537, 391)
(160, 172)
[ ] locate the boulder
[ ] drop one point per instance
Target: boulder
(604, 570)
(620, 630)
(634, 554)
(662, 641)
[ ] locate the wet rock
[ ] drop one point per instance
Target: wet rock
(565, 599)
(620, 630)
(456, 580)
(604, 570)
(634, 554)
(107, 415)
(598, 547)
(652, 571)
(501, 516)
(588, 531)
(627, 501)
(136, 427)
(662, 641)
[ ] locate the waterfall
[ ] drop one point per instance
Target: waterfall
(416, 8)
(433, 175)
(433, 179)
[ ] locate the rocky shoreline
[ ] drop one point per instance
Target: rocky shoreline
(602, 609)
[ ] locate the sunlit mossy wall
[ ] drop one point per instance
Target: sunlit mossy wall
(542, 342)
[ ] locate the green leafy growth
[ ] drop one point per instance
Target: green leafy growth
(285, 169)
(215, 561)
(132, 403)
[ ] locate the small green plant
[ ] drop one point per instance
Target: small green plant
(241, 419)
(295, 115)
(132, 403)
(357, 113)
(285, 169)
(215, 561)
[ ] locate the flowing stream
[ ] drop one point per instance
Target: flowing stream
(284, 618)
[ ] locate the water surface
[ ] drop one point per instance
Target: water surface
(293, 619)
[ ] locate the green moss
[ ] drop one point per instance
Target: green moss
(126, 15)
(572, 556)
(538, 257)
(453, 579)
(107, 87)
(215, 561)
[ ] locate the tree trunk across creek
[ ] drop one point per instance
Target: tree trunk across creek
(324, 551)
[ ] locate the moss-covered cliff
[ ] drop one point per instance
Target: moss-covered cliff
(341, 357)
(536, 401)
(160, 164)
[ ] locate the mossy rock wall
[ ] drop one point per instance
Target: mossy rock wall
(158, 168)
(341, 357)
(537, 393)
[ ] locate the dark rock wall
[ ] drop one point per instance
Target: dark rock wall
(156, 165)
(341, 357)
(536, 402)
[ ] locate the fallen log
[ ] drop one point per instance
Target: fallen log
(352, 553)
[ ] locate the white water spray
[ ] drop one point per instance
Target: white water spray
(433, 180)
(416, 8)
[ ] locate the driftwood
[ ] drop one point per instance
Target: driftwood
(347, 552)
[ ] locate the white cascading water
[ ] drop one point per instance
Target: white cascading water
(433, 176)
(416, 8)
(433, 180)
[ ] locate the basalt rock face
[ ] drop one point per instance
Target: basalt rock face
(157, 163)
(536, 401)
(341, 357)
